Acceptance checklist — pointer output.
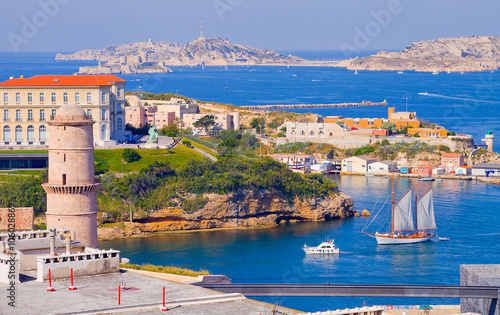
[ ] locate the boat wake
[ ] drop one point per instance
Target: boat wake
(457, 98)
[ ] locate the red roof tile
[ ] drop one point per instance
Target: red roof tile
(64, 80)
(452, 155)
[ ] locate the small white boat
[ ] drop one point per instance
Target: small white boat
(426, 179)
(443, 238)
(323, 248)
(355, 71)
(435, 71)
(400, 72)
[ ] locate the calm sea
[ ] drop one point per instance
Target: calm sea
(465, 211)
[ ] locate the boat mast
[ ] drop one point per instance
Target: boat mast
(392, 202)
(416, 206)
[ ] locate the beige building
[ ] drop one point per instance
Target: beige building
(222, 121)
(357, 164)
(27, 104)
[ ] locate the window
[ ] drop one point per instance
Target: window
(42, 133)
(30, 97)
(103, 132)
(31, 133)
(42, 115)
(371, 123)
(103, 114)
(18, 115)
(5, 97)
(356, 122)
(77, 97)
(30, 115)
(89, 113)
(53, 97)
(103, 97)
(64, 179)
(455, 160)
(19, 133)
(119, 109)
(119, 124)
(119, 92)
(53, 113)
(6, 133)
(42, 97)
(65, 97)
(89, 97)
(18, 97)
(5, 115)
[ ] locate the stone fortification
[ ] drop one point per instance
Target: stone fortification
(241, 210)
(454, 54)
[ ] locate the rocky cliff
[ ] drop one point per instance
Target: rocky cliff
(208, 50)
(443, 55)
(241, 210)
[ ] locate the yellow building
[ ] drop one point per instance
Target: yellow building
(27, 104)
(400, 119)
(428, 132)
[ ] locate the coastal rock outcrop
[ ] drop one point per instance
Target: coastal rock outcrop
(241, 210)
(209, 51)
(456, 54)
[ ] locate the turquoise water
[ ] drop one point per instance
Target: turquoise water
(465, 211)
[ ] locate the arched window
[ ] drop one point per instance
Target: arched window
(42, 115)
(53, 97)
(30, 97)
(89, 97)
(30, 115)
(18, 115)
(65, 97)
(42, 133)
(77, 97)
(311, 133)
(103, 132)
(31, 133)
(53, 113)
(302, 133)
(331, 134)
(5, 115)
(42, 97)
(89, 113)
(6, 133)
(119, 124)
(19, 133)
(321, 133)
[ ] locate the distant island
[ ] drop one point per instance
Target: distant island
(150, 56)
(456, 54)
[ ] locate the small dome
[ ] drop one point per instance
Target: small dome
(70, 112)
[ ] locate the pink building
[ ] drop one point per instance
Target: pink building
(452, 161)
(426, 169)
(161, 119)
(139, 116)
(136, 116)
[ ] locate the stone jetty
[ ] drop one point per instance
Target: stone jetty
(276, 106)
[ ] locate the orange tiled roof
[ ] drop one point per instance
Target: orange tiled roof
(64, 80)
(452, 155)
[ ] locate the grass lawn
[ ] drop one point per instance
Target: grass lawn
(201, 147)
(113, 158)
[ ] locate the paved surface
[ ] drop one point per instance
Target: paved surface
(205, 154)
(99, 295)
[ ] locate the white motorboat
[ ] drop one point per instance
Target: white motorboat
(323, 248)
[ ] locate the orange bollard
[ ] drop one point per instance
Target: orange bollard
(164, 308)
(50, 288)
(72, 287)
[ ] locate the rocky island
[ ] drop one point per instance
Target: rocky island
(153, 56)
(457, 54)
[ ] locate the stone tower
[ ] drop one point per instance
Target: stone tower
(488, 139)
(71, 188)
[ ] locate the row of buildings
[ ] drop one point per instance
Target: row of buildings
(28, 103)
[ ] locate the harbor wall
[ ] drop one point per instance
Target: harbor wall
(480, 275)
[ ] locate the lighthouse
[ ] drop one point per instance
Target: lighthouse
(488, 139)
(71, 188)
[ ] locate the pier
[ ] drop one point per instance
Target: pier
(279, 106)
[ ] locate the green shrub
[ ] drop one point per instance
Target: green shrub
(186, 143)
(100, 167)
(444, 148)
(192, 205)
(171, 134)
(130, 155)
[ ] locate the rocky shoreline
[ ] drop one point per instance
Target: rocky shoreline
(259, 209)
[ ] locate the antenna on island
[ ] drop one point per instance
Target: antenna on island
(201, 28)
(406, 97)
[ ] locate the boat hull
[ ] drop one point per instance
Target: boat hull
(390, 240)
(321, 251)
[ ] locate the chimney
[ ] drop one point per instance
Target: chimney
(67, 236)
(52, 237)
(22, 76)
(11, 78)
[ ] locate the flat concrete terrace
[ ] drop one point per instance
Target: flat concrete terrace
(143, 295)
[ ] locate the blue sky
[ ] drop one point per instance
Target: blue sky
(71, 25)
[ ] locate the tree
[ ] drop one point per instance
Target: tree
(258, 123)
(389, 126)
(131, 155)
(186, 143)
(170, 129)
(205, 122)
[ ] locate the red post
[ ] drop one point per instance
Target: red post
(72, 287)
(164, 308)
(50, 288)
(119, 294)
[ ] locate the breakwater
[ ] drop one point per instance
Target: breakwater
(364, 103)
